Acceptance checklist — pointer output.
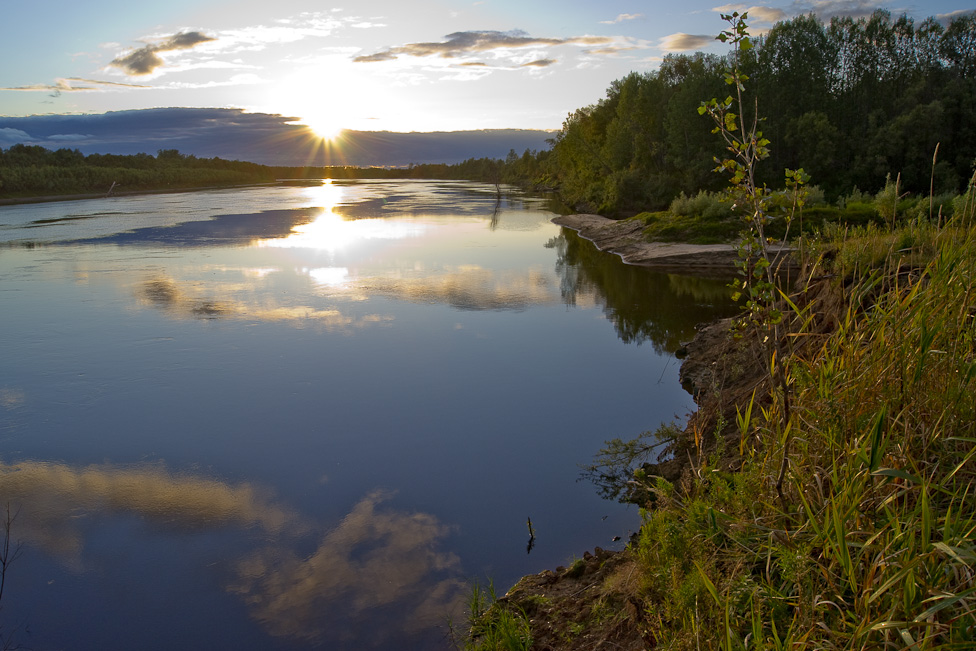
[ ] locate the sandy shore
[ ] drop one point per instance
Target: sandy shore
(623, 238)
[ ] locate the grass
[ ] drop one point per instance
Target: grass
(839, 513)
(872, 544)
(493, 625)
(707, 218)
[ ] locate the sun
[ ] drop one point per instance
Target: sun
(325, 127)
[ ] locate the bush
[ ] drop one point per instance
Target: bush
(708, 205)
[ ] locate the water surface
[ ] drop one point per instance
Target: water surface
(290, 417)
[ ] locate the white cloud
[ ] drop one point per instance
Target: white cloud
(945, 18)
(681, 42)
(761, 14)
(621, 18)
(827, 9)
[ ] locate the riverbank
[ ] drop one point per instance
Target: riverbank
(624, 238)
(773, 521)
(594, 602)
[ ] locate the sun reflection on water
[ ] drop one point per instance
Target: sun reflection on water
(330, 231)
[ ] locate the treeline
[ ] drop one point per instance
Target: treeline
(850, 101)
(31, 170)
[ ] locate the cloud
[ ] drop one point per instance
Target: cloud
(12, 136)
(69, 137)
(959, 13)
(266, 138)
(827, 9)
(756, 13)
(621, 18)
(71, 85)
(613, 50)
(539, 63)
(146, 60)
(461, 43)
(681, 42)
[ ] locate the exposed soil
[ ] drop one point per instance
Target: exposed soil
(584, 607)
(624, 238)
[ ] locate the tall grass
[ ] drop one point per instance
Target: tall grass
(872, 544)
(493, 625)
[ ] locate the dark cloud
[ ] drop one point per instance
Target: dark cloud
(258, 137)
(461, 43)
(145, 60)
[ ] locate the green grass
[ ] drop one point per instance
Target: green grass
(493, 625)
(873, 544)
(708, 219)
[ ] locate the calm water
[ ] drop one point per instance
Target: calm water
(301, 417)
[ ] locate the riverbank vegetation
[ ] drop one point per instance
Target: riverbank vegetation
(823, 494)
(33, 171)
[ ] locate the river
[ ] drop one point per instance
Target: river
(296, 417)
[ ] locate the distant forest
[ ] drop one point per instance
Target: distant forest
(851, 102)
(33, 171)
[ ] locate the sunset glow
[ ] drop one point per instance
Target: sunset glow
(374, 66)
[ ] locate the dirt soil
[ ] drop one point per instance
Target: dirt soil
(584, 607)
(624, 238)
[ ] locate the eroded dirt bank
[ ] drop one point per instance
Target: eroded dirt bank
(623, 238)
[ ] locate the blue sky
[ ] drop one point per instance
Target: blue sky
(423, 65)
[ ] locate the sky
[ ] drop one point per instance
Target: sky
(369, 65)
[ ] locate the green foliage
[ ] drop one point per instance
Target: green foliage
(746, 147)
(849, 523)
(31, 171)
(617, 471)
(847, 101)
(877, 546)
(668, 227)
(494, 626)
(707, 205)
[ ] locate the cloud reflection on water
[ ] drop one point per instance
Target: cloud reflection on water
(219, 300)
(376, 561)
(54, 497)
